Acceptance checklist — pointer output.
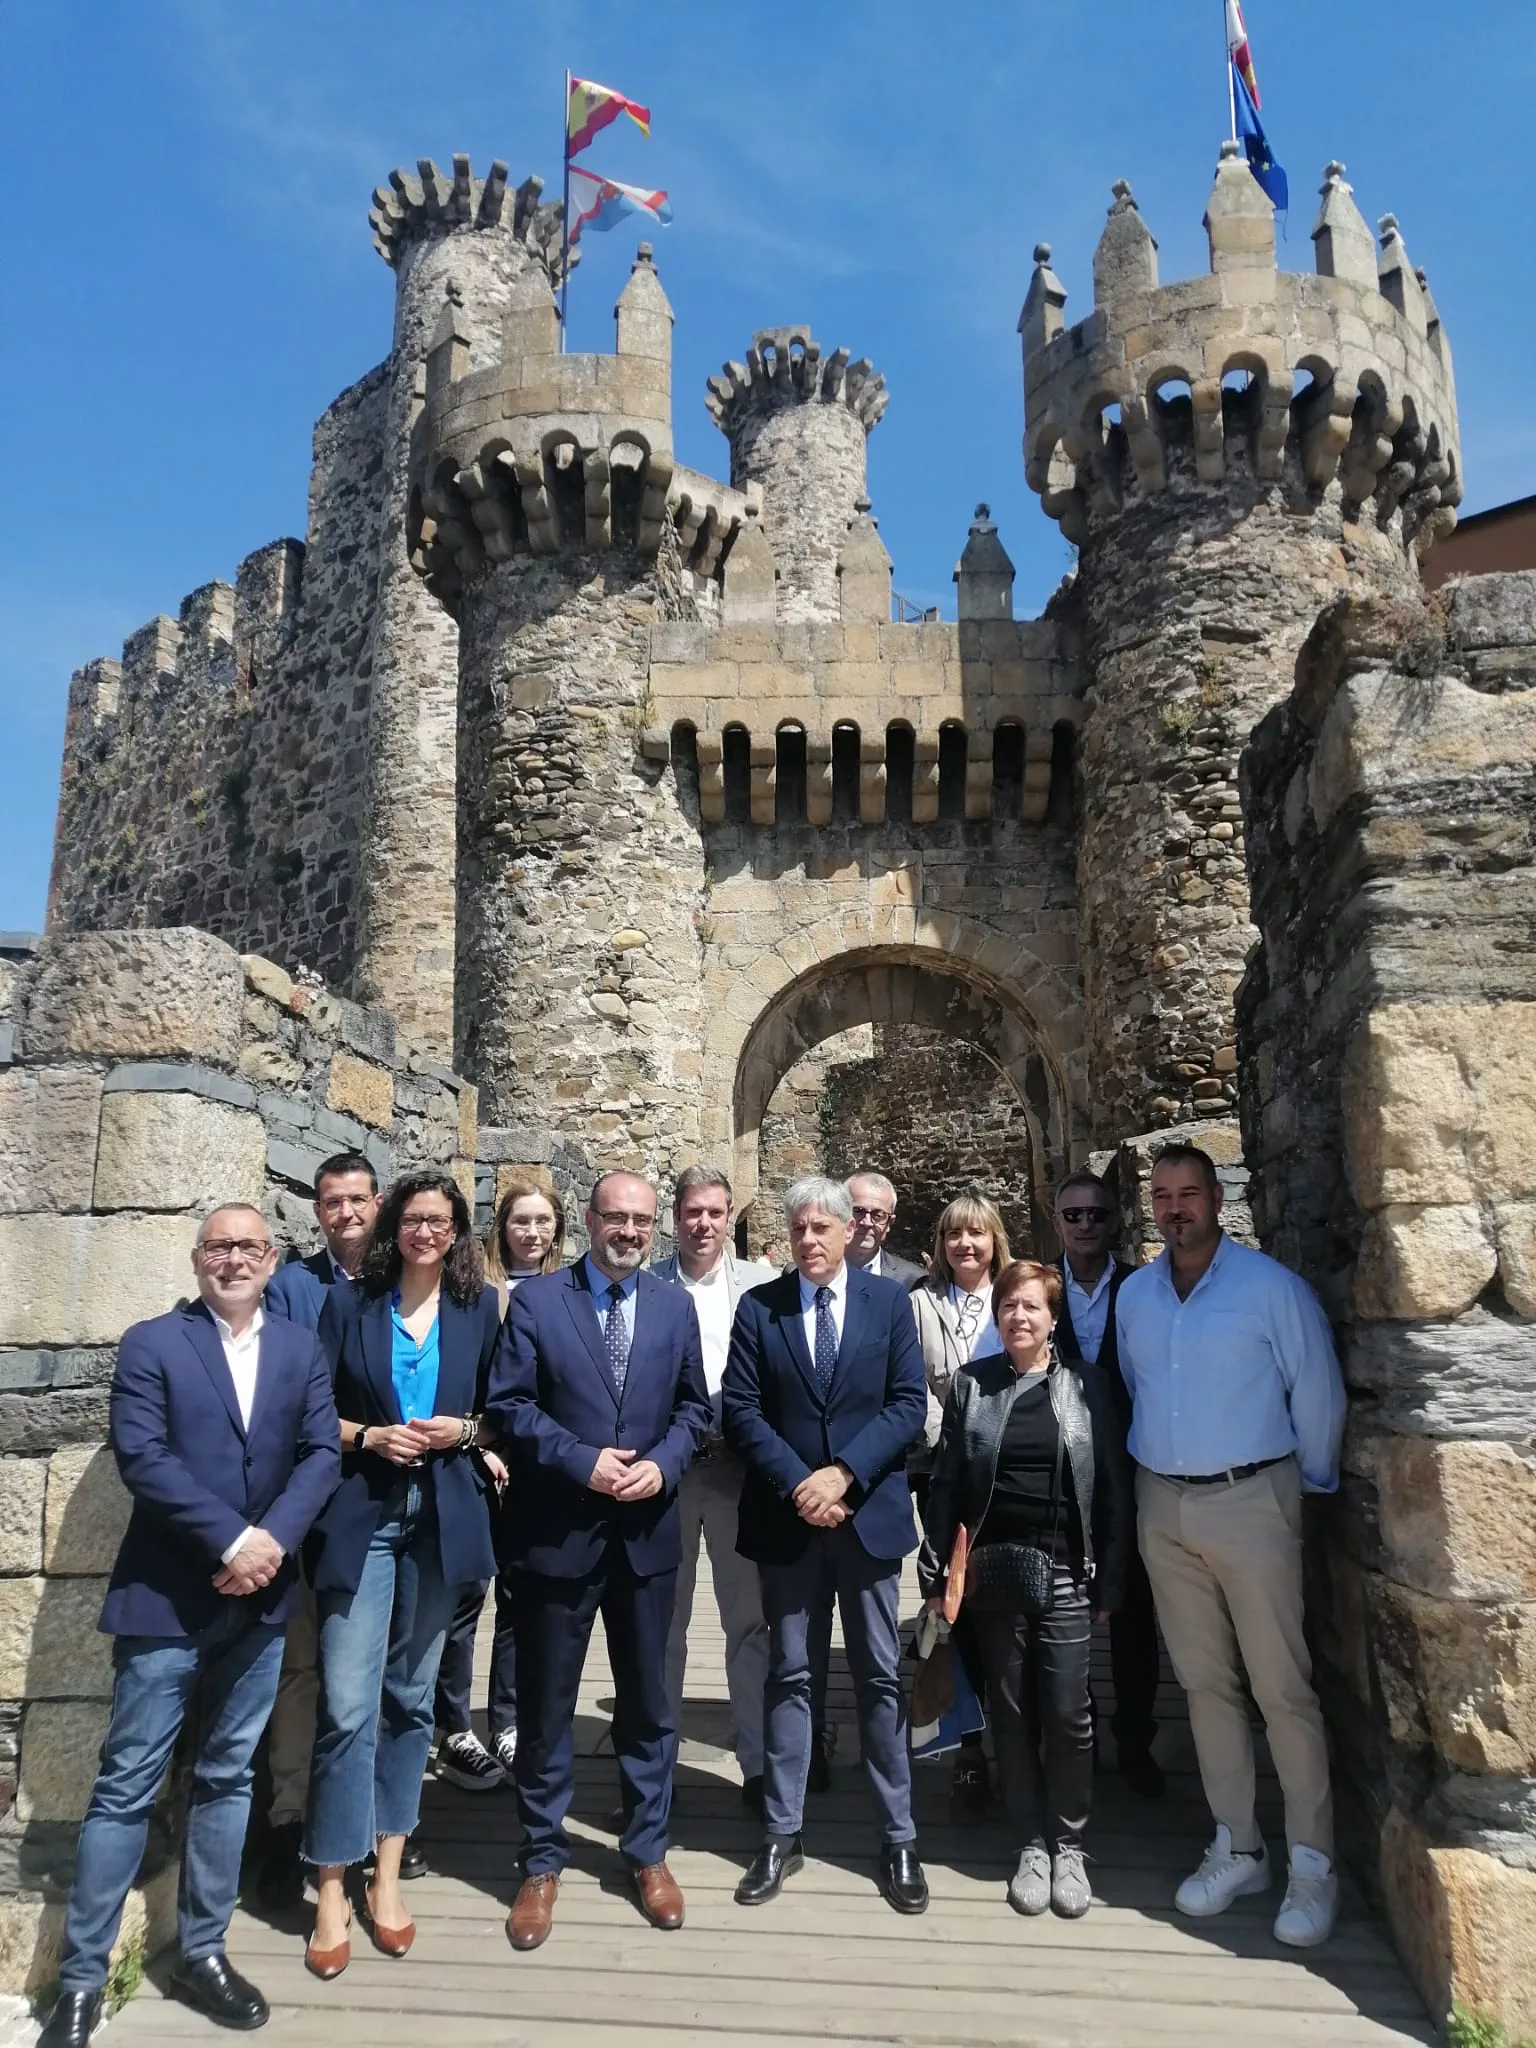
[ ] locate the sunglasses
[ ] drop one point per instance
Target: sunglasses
(1085, 1215)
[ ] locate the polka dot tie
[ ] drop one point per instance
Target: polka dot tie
(826, 1339)
(615, 1338)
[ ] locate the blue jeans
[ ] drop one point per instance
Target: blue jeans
(228, 1674)
(379, 1652)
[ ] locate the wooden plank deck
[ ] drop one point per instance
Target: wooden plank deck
(828, 1961)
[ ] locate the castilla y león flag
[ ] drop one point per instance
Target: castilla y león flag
(600, 203)
(1237, 50)
(591, 108)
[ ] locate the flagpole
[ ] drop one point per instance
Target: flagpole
(565, 210)
(1231, 82)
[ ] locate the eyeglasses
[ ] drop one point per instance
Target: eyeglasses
(332, 1203)
(870, 1215)
(438, 1227)
(221, 1249)
(1085, 1215)
(616, 1219)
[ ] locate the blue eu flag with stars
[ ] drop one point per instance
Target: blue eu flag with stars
(1261, 158)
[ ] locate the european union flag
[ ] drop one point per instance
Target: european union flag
(1261, 158)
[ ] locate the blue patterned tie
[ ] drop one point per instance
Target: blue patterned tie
(615, 1339)
(826, 1340)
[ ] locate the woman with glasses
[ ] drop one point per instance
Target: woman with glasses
(410, 1346)
(526, 1239)
(953, 1310)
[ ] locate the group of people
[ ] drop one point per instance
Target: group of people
(332, 1462)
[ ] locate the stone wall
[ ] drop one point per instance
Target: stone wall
(1387, 1033)
(144, 1076)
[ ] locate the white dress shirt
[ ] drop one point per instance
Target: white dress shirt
(839, 1304)
(711, 1298)
(242, 1355)
(1089, 1309)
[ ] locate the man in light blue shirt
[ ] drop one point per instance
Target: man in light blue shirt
(1238, 1406)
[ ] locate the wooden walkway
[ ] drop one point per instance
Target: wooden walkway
(828, 1961)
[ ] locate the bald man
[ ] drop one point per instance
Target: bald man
(599, 1401)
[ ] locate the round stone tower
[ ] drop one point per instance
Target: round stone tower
(428, 228)
(1228, 454)
(539, 517)
(797, 423)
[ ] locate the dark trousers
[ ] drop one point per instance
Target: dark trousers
(455, 1674)
(553, 1619)
(1134, 1659)
(1042, 1730)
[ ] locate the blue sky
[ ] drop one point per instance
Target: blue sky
(191, 279)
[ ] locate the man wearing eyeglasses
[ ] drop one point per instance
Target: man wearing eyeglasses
(346, 1204)
(1085, 1219)
(225, 1433)
(598, 1394)
(874, 1211)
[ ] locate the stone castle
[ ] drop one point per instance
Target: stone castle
(615, 792)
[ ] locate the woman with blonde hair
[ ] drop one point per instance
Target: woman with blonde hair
(526, 1239)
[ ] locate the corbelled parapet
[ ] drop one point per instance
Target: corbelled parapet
(539, 450)
(1343, 378)
(797, 422)
(430, 204)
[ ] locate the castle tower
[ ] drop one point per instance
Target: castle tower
(485, 238)
(540, 518)
(797, 423)
(1228, 454)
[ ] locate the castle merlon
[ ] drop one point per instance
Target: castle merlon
(408, 208)
(785, 366)
(1342, 376)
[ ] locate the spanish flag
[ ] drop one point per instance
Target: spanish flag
(1237, 50)
(590, 109)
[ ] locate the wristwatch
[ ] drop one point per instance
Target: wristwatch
(357, 1441)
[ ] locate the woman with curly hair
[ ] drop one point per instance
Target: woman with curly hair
(526, 1239)
(410, 1345)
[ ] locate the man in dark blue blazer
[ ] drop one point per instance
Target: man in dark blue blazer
(824, 1392)
(598, 1397)
(224, 1431)
(346, 1204)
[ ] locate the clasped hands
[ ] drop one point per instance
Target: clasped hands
(254, 1565)
(819, 1497)
(624, 1475)
(402, 1443)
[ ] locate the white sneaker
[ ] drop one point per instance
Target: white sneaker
(464, 1760)
(1071, 1893)
(505, 1747)
(1029, 1890)
(1224, 1875)
(1311, 1902)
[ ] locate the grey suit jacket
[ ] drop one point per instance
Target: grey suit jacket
(902, 1271)
(740, 1274)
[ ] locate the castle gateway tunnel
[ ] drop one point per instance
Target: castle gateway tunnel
(908, 1057)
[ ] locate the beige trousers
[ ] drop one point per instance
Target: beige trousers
(1225, 1566)
(291, 1731)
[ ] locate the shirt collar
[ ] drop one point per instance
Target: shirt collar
(600, 1283)
(1165, 1263)
(1090, 1293)
(714, 1277)
(226, 1330)
(838, 1284)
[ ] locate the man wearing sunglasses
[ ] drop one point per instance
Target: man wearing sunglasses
(1085, 1217)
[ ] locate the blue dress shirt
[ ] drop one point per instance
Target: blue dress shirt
(599, 1282)
(413, 1367)
(1242, 1371)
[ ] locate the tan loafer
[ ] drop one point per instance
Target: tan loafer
(661, 1899)
(533, 1910)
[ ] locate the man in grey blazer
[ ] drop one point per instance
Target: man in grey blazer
(709, 1498)
(874, 1211)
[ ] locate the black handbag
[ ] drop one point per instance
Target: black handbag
(1018, 1577)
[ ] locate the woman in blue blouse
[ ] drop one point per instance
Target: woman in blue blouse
(410, 1346)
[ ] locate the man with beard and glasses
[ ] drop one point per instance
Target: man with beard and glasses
(1237, 1410)
(597, 1395)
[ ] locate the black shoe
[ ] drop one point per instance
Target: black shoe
(70, 2023)
(413, 1860)
(752, 1794)
(777, 1859)
(819, 1777)
(1142, 1773)
(221, 1992)
(902, 1883)
(280, 1875)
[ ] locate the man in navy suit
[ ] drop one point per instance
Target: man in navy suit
(824, 1392)
(346, 1204)
(598, 1397)
(225, 1433)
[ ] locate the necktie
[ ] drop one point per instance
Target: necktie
(614, 1338)
(826, 1339)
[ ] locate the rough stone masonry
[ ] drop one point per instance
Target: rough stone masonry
(620, 786)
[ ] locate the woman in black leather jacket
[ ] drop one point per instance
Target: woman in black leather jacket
(1031, 1463)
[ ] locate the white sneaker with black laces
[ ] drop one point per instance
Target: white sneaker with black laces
(1225, 1874)
(505, 1746)
(1311, 1902)
(464, 1760)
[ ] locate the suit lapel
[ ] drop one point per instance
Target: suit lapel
(855, 1315)
(376, 1328)
(583, 1313)
(789, 1312)
(204, 1338)
(269, 1349)
(645, 1310)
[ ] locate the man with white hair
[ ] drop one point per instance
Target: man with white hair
(824, 1392)
(874, 1211)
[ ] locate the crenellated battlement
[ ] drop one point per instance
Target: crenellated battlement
(785, 366)
(408, 208)
(1342, 378)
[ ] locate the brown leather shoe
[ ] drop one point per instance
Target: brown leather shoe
(326, 1963)
(661, 1900)
(533, 1909)
(389, 1941)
